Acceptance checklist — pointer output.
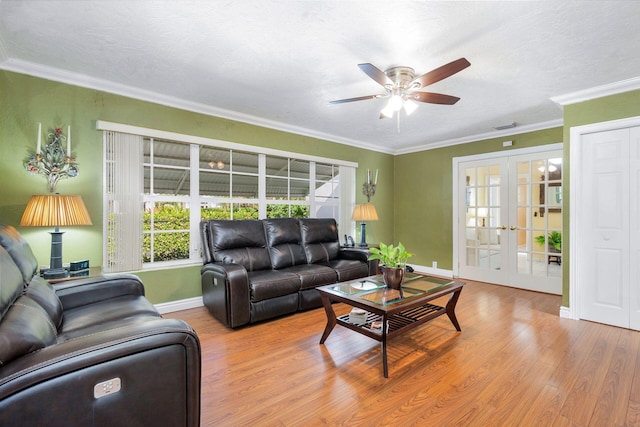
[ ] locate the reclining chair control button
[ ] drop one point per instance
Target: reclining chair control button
(106, 387)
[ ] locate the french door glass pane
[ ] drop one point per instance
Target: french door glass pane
(538, 214)
(482, 220)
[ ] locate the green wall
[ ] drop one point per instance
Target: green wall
(424, 191)
(26, 100)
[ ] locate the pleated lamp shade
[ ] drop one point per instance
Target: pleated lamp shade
(364, 212)
(53, 210)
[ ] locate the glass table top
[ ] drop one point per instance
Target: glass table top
(374, 290)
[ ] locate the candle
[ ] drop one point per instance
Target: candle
(39, 138)
(69, 141)
(368, 176)
(375, 182)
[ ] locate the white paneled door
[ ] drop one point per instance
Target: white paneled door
(509, 220)
(609, 228)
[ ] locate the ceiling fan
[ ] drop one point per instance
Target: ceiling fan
(402, 87)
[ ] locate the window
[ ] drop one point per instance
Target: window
(183, 180)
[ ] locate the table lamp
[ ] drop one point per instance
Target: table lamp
(364, 212)
(54, 210)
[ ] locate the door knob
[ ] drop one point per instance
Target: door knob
(504, 227)
(513, 227)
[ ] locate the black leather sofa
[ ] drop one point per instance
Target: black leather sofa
(89, 352)
(255, 270)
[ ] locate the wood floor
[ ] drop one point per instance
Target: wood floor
(515, 363)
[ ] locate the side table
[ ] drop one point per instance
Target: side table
(82, 274)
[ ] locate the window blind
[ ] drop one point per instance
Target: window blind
(124, 187)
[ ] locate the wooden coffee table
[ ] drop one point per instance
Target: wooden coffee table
(396, 311)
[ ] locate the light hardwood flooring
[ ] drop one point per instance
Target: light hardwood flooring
(515, 363)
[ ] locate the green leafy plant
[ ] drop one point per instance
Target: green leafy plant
(555, 240)
(390, 256)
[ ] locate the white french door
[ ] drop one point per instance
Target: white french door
(509, 220)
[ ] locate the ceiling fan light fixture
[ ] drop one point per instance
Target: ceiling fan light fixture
(395, 103)
(409, 106)
(387, 111)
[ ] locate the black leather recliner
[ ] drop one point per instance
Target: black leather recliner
(89, 352)
(259, 269)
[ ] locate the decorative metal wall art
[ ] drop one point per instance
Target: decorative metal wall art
(53, 163)
(369, 187)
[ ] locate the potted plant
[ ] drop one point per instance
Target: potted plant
(393, 260)
(554, 241)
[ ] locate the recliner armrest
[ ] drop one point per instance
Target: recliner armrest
(225, 292)
(360, 254)
(75, 293)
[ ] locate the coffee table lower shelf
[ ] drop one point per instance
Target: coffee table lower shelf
(398, 322)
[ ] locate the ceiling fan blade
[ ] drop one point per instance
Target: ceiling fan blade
(376, 74)
(359, 98)
(434, 98)
(440, 73)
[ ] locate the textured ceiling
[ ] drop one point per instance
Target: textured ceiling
(279, 63)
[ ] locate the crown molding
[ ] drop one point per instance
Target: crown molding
(597, 92)
(482, 136)
(76, 79)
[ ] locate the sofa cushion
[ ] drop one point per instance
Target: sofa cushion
(42, 292)
(240, 242)
(251, 259)
(267, 284)
(11, 281)
(25, 328)
(320, 239)
(313, 275)
(19, 250)
(283, 240)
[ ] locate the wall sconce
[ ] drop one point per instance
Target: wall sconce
(52, 162)
(369, 187)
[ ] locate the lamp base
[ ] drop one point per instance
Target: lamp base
(363, 236)
(55, 273)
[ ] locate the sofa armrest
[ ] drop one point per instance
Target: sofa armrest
(75, 293)
(360, 254)
(155, 361)
(225, 292)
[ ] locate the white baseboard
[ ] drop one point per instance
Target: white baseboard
(430, 270)
(567, 313)
(183, 304)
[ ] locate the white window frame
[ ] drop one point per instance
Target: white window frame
(345, 201)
